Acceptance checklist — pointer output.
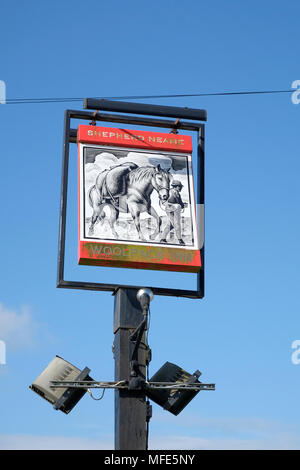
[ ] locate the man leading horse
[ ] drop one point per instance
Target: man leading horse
(128, 188)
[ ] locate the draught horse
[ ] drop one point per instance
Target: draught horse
(127, 188)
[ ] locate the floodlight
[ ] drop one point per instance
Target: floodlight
(145, 296)
(176, 398)
(63, 399)
(144, 291)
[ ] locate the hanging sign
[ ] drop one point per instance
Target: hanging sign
(136, 200)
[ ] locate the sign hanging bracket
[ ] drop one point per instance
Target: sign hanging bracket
(174, 130)
(93, 121)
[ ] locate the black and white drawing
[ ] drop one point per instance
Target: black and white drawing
(137, 197)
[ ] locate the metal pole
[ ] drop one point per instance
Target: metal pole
(63, 199)
(130, 405)
(201, 202)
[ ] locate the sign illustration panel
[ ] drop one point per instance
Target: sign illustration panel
(136, 200)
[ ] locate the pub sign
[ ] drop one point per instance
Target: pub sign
(136, 200)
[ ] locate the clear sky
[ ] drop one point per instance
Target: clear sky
(240, 335)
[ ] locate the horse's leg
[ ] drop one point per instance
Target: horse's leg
(94, 219)
(94, 199)
(101, 216)
(151, 211)
(114, 214)
(135, 213)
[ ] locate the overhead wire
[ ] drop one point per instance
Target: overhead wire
(138, 97)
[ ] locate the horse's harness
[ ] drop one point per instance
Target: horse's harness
(159, 188)
(113, 199)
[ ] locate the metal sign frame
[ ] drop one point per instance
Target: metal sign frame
(70, 136)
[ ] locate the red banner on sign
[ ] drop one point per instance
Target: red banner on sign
(132, 138)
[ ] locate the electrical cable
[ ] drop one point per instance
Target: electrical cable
(147, 375)
(138, 97)
(94, 398)
(146, 344)
(146, 341)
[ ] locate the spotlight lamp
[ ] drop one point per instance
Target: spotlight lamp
(63, 399)
(173, 388)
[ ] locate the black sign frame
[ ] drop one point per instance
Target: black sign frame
(70, 136)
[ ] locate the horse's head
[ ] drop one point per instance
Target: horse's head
(161, 182)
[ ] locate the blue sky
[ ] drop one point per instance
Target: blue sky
(240, 334)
